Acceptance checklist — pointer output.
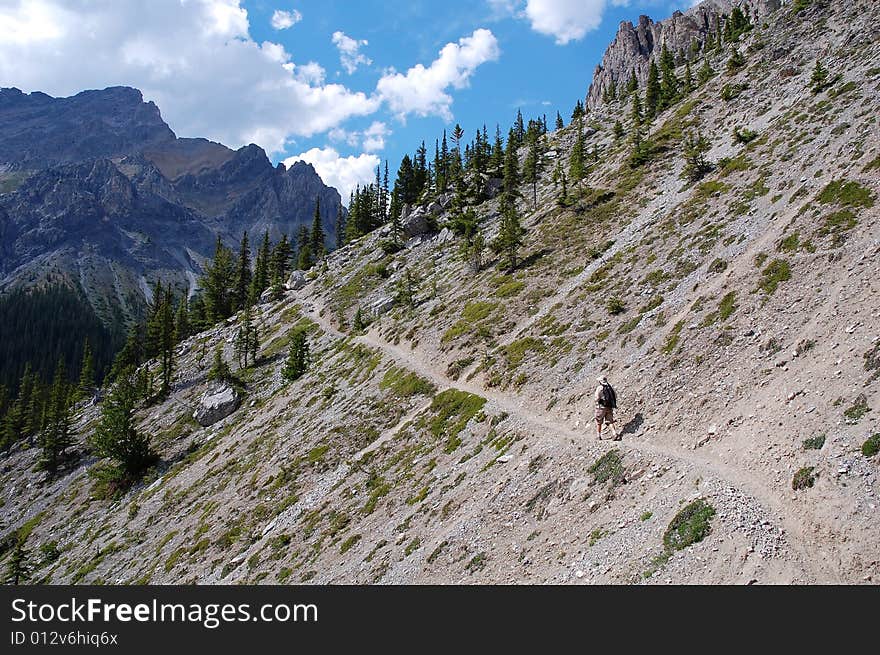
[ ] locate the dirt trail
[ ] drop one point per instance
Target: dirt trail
(797, 532)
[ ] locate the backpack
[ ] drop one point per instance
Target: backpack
(607, 397)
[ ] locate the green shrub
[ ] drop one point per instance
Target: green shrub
(858, 409)
(689, 526)
(872, 446)
(814, 443)
(776, 271)
(615, 306)
(404, 383)
(847, 194)
(804, 478)
(608, 467)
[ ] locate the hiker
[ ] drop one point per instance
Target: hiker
(606, 403)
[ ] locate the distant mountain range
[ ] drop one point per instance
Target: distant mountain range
(99, 195)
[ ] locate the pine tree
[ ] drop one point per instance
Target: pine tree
(340, 222)
(578, 111)
(297, 362)
(619, 132)
(55, 437)
(262, 272)
(577, 159)
(705, 73)
(510, 236)
(533, 165)
(218, 284)
(182, 326)
(735, 62)
(132, 353)
(688, 78)
(117, 437)
(219, 371)
(496, 164)
(166, 343)
(282, 255)
(247, 342)
(359, 325)
(407, 287)
(304, 259)
(472, 249)
(519, 128)
(819, 78)
(243, 276)
(669, 86)
(86, 384)
(632, 84)
(652, 91)
(559, 123)
(695, 147)
(18, 569)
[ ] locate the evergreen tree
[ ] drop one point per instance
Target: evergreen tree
(563, 196)
(182, 326)
(669, 86)
(632, 84)
(407, 287)
(510, 178)
(519, 129)
(218, 284)
(166, 343)
(282, 255)
(359, 325)
(318, 247)
(18, 569)
(304, 257)
(197, 317)
(472, 249)
(496, 163)
(340, 221)
(695, 147)
(819, 78)
(619, 132)
(132, 353)
(688, 78)
(705, 73)
(262, 272)
(533, 165)
(578, 111)
(243, 276)
(247, 342)
(86, 383)
(653, 91)
(117, 437)
(219, 368)
(55, 438)
(559, 123)
(297, 362)
(577, 160)
(510, 236)
(735, 62)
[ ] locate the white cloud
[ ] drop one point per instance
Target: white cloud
(374, 136)
(282, 20)
(371, 139)
(195, 59)
(343, 173)
(565, 20)
(350, 55)
(422, 91)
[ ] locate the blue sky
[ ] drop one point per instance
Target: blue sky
(343, 85)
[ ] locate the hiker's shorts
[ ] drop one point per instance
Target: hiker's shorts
(604, 415)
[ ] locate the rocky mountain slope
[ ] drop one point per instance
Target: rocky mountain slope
(453, 441)
(97, 191)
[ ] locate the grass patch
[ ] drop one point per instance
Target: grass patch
(349, 543)
(871, 446)
(516, 351)
(775, 272)
(690, 525)
(846, 194)
(403, 383)
(814, 443)
(858, 409)
(672, 338)
(452, 410)
(608, 467)
(804, 478)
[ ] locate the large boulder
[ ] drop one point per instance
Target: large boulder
(416, 223)
(217, 404)
(382, 306)
(296, 281)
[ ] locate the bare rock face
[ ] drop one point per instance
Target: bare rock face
(296, 281)
(416, 223)
(636, 45)
(217, 404)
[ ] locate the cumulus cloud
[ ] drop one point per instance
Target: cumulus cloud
(422, 91)
(350, 55)
(195, 59)
(565, 20)
(343, 173)
(282, 20)
(371, 139)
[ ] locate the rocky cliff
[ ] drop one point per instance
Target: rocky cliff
(97, 191)
(636, 45)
